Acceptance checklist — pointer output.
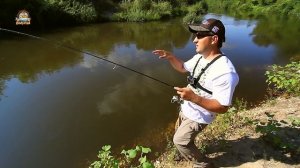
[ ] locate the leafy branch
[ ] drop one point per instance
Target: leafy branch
(106, 160)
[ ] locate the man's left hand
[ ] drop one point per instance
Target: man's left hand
(186, 93)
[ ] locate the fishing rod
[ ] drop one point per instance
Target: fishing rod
(85, 52)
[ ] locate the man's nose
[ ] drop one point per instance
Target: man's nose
(195, 40)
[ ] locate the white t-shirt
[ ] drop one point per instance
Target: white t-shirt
(220, 78)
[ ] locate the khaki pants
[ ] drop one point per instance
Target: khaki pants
(184, 137)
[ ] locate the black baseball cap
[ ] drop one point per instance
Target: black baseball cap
(210, 26)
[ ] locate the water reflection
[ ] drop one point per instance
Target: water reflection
(278, 32)
(27, 60)
(69, 104)
(103, 38)
(63, 102)
(32, 57)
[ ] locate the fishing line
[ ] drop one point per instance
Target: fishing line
(85, 52)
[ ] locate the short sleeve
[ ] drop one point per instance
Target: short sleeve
(223, 88)
(190, 64)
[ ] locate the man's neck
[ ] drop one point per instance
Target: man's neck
(211, 55)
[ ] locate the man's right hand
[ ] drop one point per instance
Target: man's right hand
(174, 61)
(163, 54)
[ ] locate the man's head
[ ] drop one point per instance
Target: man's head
(209, 27)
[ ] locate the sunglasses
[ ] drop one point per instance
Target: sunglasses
(200, 35)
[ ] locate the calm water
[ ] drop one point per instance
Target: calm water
(58, 107)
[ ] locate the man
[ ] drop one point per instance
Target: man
(211, 84)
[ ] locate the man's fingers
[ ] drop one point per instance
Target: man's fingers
(160, 52)
(178, 88)
(179, 91)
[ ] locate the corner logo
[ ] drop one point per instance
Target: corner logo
(23, 18)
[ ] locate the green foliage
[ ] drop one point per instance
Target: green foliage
(68, 12)
(132, 154)
(263, 2)
(251, 9)
(105, 159)
(134, 158)
(295, 121)
(238, 8)
(179, 7)
(81, 12)
(143, 10)
(49, 12)
(285, 78)
(195, 12)
(164, 9)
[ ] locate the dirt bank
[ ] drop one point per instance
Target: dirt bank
(242, 146)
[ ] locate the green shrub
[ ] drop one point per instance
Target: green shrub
(254, 8)
(195, 12)
(285, 78)
(81, 12)
(164, 9)
(141, 5)
(295, 121)
(143, 10)
(105, 159)
(190, 18)
(134, 158)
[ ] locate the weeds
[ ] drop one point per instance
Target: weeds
(143, 10)
(132, 154)
(284, 79)
(294, 121)
(134, 158)
(105, 159)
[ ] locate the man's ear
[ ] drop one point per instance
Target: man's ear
(215, 39)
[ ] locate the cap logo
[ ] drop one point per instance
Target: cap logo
(215, 29)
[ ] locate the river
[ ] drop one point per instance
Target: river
(58, 107)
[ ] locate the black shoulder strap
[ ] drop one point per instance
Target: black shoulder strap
(202, 88)
(196, 84)
(203, 69)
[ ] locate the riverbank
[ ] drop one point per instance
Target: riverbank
(240, 144)
(48, 14)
